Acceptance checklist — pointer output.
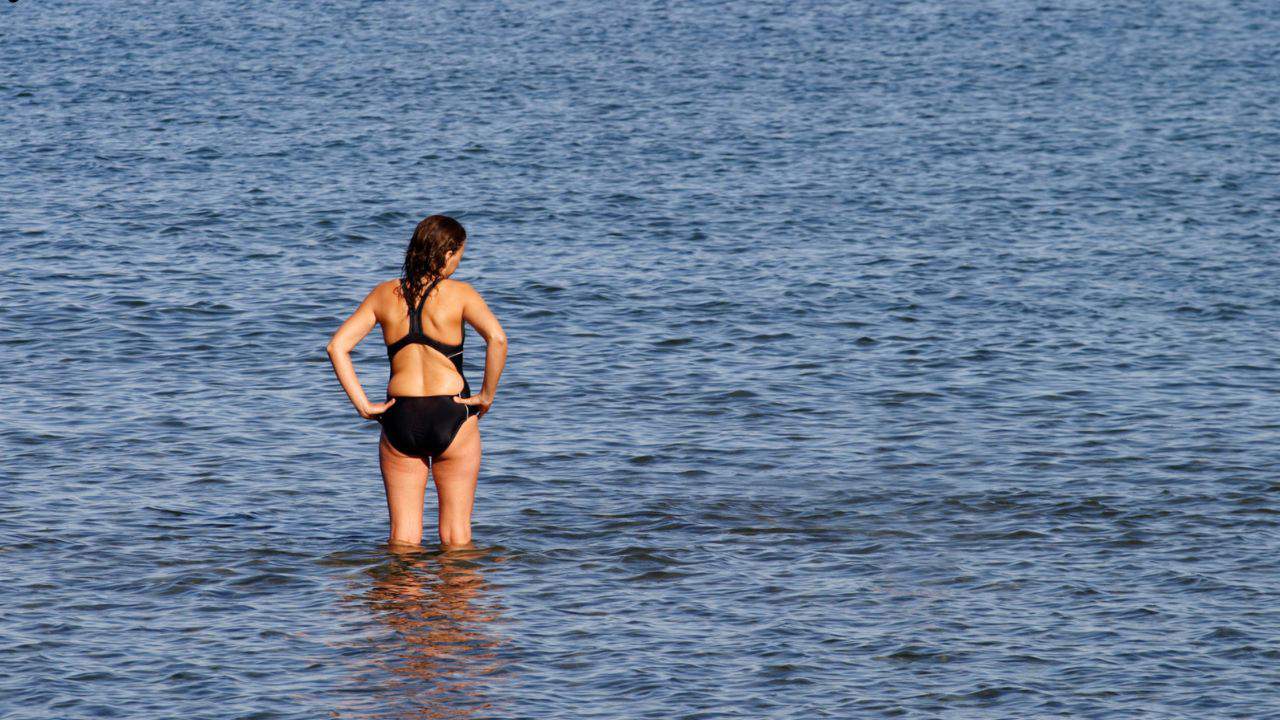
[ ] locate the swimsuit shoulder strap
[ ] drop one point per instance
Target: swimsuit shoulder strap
(416, 335)
(415, 310)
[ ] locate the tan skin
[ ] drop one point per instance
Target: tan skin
(421, 370)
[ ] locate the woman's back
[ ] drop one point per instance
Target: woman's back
(425, 356)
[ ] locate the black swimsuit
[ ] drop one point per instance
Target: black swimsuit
(425, 425)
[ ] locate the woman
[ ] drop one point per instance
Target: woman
(429, 413)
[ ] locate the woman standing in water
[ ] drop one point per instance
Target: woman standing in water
(429, 413)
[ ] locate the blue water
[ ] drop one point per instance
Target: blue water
(883, 359)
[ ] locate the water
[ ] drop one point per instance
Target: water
(888, 359)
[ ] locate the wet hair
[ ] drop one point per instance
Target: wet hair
(433, 239)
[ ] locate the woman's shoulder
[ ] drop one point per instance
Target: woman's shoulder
(387, 288)
(457, 285)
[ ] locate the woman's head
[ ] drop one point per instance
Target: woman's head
(434, 251)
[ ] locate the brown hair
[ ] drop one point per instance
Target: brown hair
(433, 239)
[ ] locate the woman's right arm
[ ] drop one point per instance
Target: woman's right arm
(347, 336)
(476, 313)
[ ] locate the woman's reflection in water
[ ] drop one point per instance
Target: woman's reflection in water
(439, 604)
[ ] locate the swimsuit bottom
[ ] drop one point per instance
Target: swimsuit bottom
(423, 425)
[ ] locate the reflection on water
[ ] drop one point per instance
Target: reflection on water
(443, 650)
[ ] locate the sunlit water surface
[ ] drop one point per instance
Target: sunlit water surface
(883, 359)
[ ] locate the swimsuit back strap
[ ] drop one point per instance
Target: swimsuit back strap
(415, 313)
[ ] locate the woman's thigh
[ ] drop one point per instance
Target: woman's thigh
(405, 479)
(455, 472)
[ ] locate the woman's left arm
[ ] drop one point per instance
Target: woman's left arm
(347, 337)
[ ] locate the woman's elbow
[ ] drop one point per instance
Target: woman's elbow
(498, 338)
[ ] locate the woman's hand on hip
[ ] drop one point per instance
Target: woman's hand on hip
(481, 403)
(375, 409)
